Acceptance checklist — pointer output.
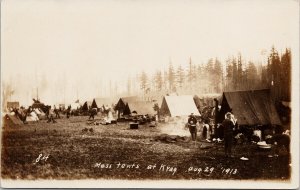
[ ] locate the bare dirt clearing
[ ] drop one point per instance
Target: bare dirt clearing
(64, 150)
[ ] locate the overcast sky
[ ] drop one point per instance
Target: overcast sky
(101, 40)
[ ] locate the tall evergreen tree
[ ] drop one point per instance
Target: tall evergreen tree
(234, 74)
(228, 75)
(274, 61)
(180, 76)
(144, 81)
(129, 86)
(240, 76)
(171, 77)
(158, 80)
(217, 76)
(251, 76)
(285, 75)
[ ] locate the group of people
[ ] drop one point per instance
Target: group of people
(228, 127)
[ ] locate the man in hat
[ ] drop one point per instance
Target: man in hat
(192, 121)
(229, 127)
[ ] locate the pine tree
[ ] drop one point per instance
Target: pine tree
(129, 86)
(274, 61)
(180, 76)
(171, 77)
(252, 76)
(285, 75)
(144, 81)
(217, 76)
(234, 74)
(228, 76)
(240, 77)
(158, 81)
(209, 69)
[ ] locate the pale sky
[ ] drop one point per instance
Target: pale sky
(100, 40)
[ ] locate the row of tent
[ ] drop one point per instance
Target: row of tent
(253, 107)
(35, 115)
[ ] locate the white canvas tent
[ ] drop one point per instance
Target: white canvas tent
(75, 106)
(32, 117)
(178, 106)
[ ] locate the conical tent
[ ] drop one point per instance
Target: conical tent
(11, 120)
(94, 104)
(85, 107)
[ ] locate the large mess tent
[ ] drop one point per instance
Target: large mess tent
(253, 107)
(182, 105)
(140, 108)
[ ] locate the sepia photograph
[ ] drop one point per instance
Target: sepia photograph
(150, 94)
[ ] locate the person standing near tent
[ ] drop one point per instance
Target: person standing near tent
(51, 116)
(93, 112)
(192, 121)
(229, 127)
(204, 131)
(56, 112)
(68, 111)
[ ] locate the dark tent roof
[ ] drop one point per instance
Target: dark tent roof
(85, 106)
(94, 104)
(253, 107)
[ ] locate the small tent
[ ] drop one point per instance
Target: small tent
(11, 120)
(253, 107)
(94, 104)
(40, 113)
(85, 107)
(32, 117)
(182, 105)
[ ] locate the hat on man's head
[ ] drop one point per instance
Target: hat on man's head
(227, 114)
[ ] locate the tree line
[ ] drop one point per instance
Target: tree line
(216, 77)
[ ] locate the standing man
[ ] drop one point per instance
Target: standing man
(229, 127)
(51, 116)
(68, 111)
(93, 112)
(56, 112)
(192, 121)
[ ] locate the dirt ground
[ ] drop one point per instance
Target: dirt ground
(63, 150)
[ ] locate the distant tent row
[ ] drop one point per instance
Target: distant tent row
(253, 107)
